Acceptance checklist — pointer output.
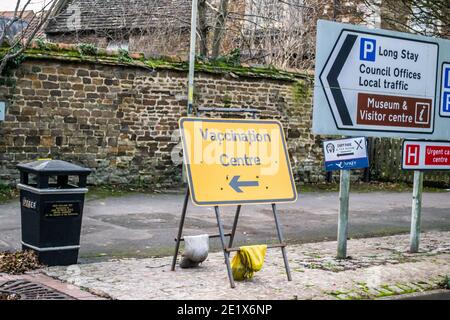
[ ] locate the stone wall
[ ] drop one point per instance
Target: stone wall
(120, 119)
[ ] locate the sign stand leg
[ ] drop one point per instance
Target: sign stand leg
(225, 253)
(280, 238)
(344, 195)
(180, 228)
(233, 231)
(416, 212)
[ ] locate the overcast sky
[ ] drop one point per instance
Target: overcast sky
(10, 5)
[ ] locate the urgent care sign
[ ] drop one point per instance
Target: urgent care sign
(426, 155)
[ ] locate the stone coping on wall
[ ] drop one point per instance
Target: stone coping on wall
(78, 53)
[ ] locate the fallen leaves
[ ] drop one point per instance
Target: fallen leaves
(8, 296)
(18, 262)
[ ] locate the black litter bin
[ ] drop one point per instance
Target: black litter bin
(52, 209)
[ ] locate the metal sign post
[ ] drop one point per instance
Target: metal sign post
(343, 155)
(344, 195)
(192, 58)
(416, 212)
(420, 156)
(190, 106)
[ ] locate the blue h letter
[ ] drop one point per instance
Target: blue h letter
(367, 49)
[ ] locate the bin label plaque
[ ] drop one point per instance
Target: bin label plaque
(62, 209)
(29, 204)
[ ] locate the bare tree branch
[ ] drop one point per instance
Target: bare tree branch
(24, 38)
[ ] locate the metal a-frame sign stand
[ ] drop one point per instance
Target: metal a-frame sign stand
(228, 248)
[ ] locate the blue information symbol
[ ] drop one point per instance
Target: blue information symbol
(445, 97)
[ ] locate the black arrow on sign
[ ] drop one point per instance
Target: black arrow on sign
(236, 184)
(333, 75)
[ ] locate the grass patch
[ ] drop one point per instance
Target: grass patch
(7, 193)
(89, 53)
(445, 283)
(365, 187)
(107, 191)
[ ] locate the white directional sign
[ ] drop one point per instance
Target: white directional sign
(379, 83)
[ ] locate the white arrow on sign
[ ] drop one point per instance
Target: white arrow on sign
(381, 83)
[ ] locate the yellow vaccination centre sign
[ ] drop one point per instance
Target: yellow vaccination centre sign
(233, 161)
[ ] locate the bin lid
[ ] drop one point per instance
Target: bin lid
(53, 167)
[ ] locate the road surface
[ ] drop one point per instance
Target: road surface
(140, 225)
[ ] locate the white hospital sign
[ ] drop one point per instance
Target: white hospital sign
(380, 83)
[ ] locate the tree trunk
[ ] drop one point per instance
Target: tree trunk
(202, 28)
(219, 28)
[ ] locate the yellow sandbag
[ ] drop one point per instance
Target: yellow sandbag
(247, 261)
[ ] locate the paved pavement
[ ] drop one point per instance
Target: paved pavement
(142, 225)
(379, 268)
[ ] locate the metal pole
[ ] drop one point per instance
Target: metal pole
(190, 105)
(344, 194)
(180, 228)
(225, 253)
(280, 238)
(416, 211)
(233, 230)
(366, 175)
(192, 58)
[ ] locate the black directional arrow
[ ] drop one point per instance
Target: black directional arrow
(237, 185)
(333, 75)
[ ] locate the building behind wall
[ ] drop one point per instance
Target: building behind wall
(155, 27)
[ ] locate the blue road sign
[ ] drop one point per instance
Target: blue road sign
(445, 90)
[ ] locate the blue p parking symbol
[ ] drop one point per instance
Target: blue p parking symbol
(446, 102)
(367, 49)
(445, 97)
